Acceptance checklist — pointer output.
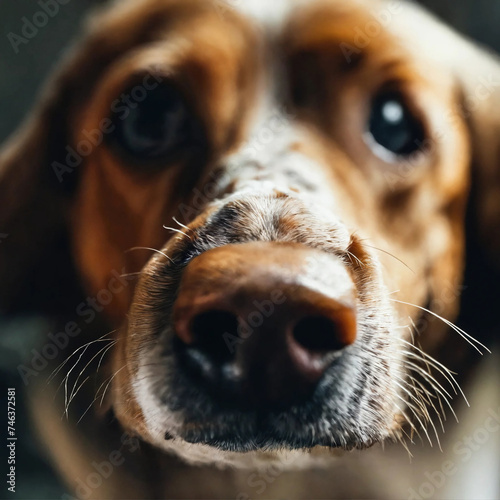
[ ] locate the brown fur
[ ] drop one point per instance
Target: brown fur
(413, 210)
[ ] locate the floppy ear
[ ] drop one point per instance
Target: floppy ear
(479, 76)
(477, 71)
(34, 205)
(35, 200)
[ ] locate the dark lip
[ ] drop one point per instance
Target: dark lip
(267, 439)
(300, 426)
(262, 440)
(258, 443)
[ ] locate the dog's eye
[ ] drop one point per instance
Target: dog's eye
(393, 126)
(159, 127)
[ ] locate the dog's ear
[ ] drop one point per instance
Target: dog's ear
(477, 73)
(34, 202)
(479, 77)
(36, 183)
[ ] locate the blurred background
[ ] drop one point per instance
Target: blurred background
(21, 75)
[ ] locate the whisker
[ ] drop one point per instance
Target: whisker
(126, 275)
(422, 407)
(361, 263)
(415, 413)
(106, 348)
(103, 354)
(414, 429)
(177, 231)
(440, 415)
(469, 338)
(446, 372)
(181, 224)
(428, 377)
(84, 347)
(66, 408)
(106, 388)
(59, 368)
(436, 386)
(440, 391)
(66, 379)
(412, 334)
(405, 446)
(97, 393)
(94, 400)
(391, 255)
(152, 250)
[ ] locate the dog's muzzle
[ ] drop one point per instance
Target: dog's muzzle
(261, 330)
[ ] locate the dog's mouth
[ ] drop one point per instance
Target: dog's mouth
(227, 422)
(254, 340)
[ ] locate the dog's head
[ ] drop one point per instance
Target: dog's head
(302, 183)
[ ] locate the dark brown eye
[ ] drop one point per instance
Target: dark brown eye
(393, 126)
(161, 127)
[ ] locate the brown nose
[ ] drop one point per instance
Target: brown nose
(258, 324)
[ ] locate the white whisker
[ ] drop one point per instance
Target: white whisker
(177, 231)
(469, 338)
(181, 224)
(390, 255)
(152, 250)
(73, 392)
(59, 368)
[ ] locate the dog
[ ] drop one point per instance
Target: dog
(267, 205)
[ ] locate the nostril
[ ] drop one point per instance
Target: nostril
(317, 334)
(210, 331)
